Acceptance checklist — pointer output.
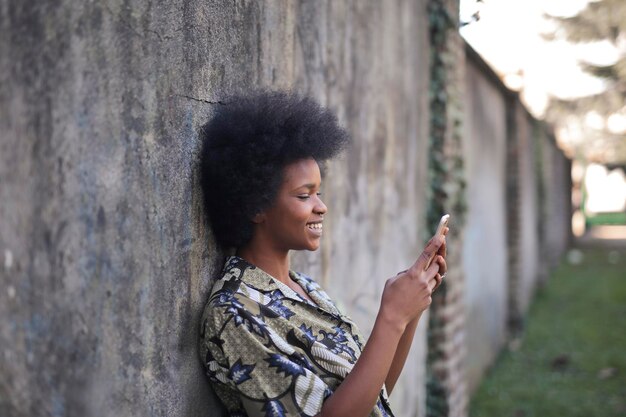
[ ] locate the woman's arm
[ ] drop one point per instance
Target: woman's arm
(402, 352)
(405, 297)
(404, 346)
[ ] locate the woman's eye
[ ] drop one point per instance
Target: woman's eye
(307, 196)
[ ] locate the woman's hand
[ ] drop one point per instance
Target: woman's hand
(408, 294)
(405, 297)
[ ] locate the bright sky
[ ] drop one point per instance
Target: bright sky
(607, 192)
(508, 36)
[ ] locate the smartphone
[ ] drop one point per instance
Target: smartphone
(443, 223)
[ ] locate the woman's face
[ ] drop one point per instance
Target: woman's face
(294, 221)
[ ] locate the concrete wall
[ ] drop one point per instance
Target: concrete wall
(376, 193)
(106, 260)
(485, 249)
(518, 220)
(556, 201)
(529, 210)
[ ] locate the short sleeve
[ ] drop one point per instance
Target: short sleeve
(246, 356)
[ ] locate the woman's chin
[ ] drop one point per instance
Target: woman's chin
(313, 246)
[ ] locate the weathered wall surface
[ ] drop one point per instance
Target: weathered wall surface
(556, 202)
(376, 194)
(485, 250)
(518, 221)
(106, 260)
(529, 209)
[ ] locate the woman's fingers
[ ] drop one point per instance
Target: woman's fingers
(438, 280)
(443, 248)
(443, 269)
(443, 265)
(430, 250)
(432, 272)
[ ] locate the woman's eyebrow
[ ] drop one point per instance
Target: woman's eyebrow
(309, 186)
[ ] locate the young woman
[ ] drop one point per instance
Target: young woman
(274, 343)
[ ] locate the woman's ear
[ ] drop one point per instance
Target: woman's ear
(258, 218)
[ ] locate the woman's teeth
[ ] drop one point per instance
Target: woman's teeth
(317, 226)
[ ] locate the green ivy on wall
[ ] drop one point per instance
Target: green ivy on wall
(440, 23)
(445, 174)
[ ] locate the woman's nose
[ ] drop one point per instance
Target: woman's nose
(320, 207)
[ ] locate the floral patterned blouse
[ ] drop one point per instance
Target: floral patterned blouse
(270, 352)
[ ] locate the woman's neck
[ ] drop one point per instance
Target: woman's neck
(275, 263)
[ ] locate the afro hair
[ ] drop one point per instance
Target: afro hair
(245, 147)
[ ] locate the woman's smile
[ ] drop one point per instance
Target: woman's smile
(315, 228)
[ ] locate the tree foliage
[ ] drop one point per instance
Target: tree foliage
(601, 20)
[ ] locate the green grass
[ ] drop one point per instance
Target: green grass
(572, 358)
(616, 218)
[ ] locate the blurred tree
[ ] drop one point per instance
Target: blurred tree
(605, 139)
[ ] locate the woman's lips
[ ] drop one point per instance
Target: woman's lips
(316, 228)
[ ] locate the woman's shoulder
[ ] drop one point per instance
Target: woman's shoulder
(226, 286)
(231, 276)
(240, 286)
